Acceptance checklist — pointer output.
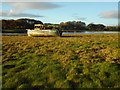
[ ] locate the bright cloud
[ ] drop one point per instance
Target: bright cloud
(61, 1)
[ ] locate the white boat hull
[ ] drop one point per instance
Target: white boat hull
(43, 33)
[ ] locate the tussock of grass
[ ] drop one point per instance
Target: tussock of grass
(71, 61)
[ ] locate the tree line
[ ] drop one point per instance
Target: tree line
(19, 24)
(26, 23)
(78, 25)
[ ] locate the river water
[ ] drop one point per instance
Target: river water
(85, 32)
(14, 34)
(92, 32)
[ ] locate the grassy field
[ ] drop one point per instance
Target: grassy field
(71, 61)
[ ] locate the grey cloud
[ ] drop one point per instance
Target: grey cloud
(33, 5)
(18, 8)
(109, 14)
(80, 18)
(25, 15)
(77, 17)
(6, 14)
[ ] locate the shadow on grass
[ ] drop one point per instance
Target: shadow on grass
(71, 36)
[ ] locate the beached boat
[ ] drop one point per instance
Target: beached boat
(39, 30)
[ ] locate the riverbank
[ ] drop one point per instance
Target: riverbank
(14, 31)
(71, 61)
(66, 33)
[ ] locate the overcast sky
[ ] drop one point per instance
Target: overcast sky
(56, 12)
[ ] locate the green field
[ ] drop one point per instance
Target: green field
(70, 61)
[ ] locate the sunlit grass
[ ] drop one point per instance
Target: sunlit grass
(71, 61)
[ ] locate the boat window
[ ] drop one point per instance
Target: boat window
(37, 26)
(40, 27)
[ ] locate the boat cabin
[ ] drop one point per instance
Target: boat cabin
(39, 27)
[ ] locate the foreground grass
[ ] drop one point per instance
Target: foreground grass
(79, 61)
